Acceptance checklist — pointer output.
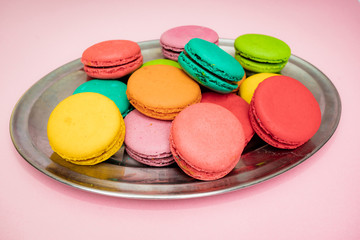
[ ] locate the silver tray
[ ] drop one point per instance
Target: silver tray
(121, 176)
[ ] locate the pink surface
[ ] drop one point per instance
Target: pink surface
(319, 199)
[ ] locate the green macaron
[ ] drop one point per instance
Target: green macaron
(211, 66)
(113, 89)
(261, 53)
(162, 61)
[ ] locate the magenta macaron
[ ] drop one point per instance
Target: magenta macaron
(174, 40)
(147, 139)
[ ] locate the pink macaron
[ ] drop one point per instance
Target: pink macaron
(206, 141)
(112, 59)
(147, 139)
(174, 40)
(235, 104)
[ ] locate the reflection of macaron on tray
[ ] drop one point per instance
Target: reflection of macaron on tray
(196, 108)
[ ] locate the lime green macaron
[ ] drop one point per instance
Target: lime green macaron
(261, 53)
(162, 61)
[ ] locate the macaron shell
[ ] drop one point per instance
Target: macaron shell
(235, 104)
(174, 39)
(259, 67)
(162, 91)
(162, 62)
(112, 59)
(239, 83)
(147, 139)
(114, 72)
(285, 109)
(266, 136)
(262, 48)
(214, 59)
(204, 77)
(208, 138)
(111, 53)
(194, 172)
(86, 128)
(154, 161)
(113, 89)
(248, 86)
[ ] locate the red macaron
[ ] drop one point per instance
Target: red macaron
(284, 113)
(112, 59)
(235, 104)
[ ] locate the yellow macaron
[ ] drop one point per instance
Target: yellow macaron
(86, 128)
(248, 86)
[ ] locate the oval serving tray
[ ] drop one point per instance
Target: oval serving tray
(121, 176)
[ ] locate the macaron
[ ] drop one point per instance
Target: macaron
(147, 139)
(162, 61)
(235, 104)
(113, 89)
(86, 128)
(211, 66)
(206, 141)
(162, 91)
(239, 83)
(173, 40)
(261, 53)
(248, 86)
(284, 113)
(112, 59)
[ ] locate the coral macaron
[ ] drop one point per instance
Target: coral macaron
(206, 141)
(284, 113)
(112, 59)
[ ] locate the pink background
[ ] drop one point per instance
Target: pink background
(319, 199)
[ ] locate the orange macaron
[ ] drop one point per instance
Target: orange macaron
(161, 91)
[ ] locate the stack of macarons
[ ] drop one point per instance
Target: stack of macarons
(198, 106)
